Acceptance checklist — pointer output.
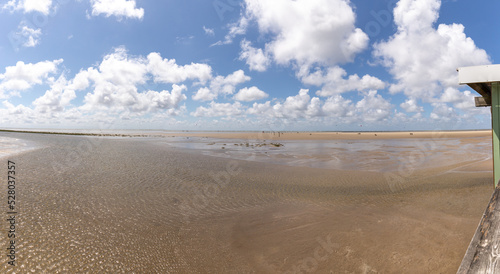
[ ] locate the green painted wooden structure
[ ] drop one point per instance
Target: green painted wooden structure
(486, 81)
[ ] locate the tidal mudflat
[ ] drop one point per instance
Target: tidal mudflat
(212, 204)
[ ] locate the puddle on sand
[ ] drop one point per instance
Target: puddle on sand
(9, 146)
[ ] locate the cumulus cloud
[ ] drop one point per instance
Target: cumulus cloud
(204, 94)
(42, 6)
(118, 8)
(152, 100)
(114, 85)
(460, 99)
(423, 59)
(119, 69)
(221, 85)
(298, 106)
(371, 108)
(250, 94)
(261, 109)
(56, 98)
(308, 32)
(255, 58)
(411, 105)
(16, 110)
(295, 106)
(334, 81)
(443, 112)
(226, 85)
(338, 106)
(23, 76)
(219, 110)
(167, 71)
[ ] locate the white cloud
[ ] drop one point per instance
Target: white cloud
(411, 105)
(235, 29)
(250, 94)
(221, 85)
(333, 81)
(443, 112)
(115, 83)
(209, 31)
(167, 71)
(82, 79)
(30, 36)
(118, 8)
(261, 109)
(295, 106)
(23, 76)
(423, 59)
(314, 109)
(16, 110)
(119, 69)
(55, 99)
(298, 106)
(308, 31)
(373, 107)
(461, 100)
(337, 106)
(219, 110)
(306, 34)
(164, 100)
(255, 58)
(226, 85)
(204, 94)
(42, 6)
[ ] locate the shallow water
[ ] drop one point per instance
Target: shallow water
(9, 146)
(368, 155)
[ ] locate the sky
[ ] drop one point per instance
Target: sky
(273, 65)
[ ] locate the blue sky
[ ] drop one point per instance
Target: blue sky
(324, 65)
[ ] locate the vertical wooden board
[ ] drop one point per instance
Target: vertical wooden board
(495, 117)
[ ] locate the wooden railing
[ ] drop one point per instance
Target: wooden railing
(483, 254)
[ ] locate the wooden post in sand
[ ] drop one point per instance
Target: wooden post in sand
(486, 81)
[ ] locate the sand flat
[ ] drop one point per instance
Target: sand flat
(127, 205)
(334, 135)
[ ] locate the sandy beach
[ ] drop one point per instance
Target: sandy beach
(210, 204)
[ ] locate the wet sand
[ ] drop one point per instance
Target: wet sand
(123, 205)
(361, 135)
